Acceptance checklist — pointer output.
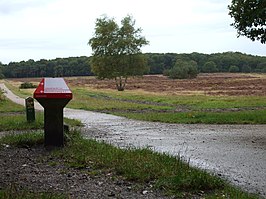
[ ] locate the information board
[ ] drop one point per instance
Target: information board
(53, 88)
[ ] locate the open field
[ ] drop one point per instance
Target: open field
(209, 84)
(221, 98)
(232, 84)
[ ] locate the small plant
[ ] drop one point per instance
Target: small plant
(27, 85)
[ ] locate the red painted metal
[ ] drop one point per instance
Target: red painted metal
(53, 88)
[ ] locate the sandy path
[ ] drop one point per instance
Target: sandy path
(236, 152)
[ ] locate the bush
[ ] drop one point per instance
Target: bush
(233, 69)
(246, 69)
(179, 73)
(166, 72)
(184, 70)
(261, 67)
(26, 85)
(210, 67)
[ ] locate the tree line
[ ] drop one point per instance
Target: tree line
(209, 63)
(158, 63)
(59, 67)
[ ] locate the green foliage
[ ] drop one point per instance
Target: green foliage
(26, 85)
(116, 50)
(261, 67)
(209, 67)
(166, 72)
(1, 71)
(157, 63)
(233, 69)
(246, 69)
(249, 18)
(72, 66)
(160, 62)
(184, 70)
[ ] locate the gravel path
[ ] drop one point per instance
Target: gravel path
(235, 152)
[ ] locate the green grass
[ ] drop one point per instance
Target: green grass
(166, 173)
(28, 139)
(97, 101)
(161, 108)
(242, 117)
(195, 102)
(8, 106)
(13, 117)
(23, 93)
(140, 165)
(170, 108)
(19, 122)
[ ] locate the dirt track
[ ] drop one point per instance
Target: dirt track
(235, 152)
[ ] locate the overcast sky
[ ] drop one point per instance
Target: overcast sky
(47, 29)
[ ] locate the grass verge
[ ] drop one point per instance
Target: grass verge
(24, 93)
(174, 109)
(168, 108)
(13, 117)
(196, 117)
(18, 122)
(167, 173)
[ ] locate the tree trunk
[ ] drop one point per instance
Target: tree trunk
(120, 85)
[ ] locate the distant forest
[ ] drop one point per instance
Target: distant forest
(158, 64)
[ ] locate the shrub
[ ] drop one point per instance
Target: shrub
(210, 67)
(233, 69)
(166, 72)
(246, 69)
(184, 70)
(26, 85)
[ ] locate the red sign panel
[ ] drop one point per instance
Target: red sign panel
(53, 88)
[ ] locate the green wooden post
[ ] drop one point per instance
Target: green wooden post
(30, 111)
